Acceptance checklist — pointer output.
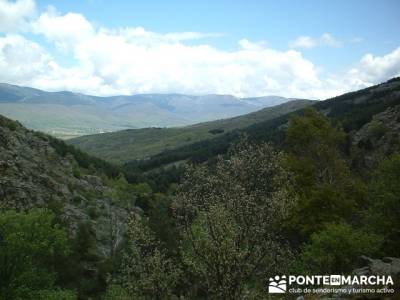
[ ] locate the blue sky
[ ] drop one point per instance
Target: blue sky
(335, 45)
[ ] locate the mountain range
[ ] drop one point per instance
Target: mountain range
(65, 114)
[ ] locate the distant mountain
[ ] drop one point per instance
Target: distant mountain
(66, 114)
(127, 145)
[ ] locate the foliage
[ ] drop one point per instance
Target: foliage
(376, 129)
(83, 159)
(116, 292)
(31, 245)
(56, 294)
(147, 272)
(8, 123)
(122, 193)
(229, 218)
(323, 181)
(162, 222)
(335, 249)
(383, 213)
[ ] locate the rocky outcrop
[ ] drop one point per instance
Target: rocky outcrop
(386, 266)
(33, 174)
(378, 138)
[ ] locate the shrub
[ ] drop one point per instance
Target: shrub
(31, 244)
(335, 249)
(376, 129)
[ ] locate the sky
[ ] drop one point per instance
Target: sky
(303, 49)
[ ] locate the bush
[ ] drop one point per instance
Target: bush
(55, 295)
(229, 217)
(116, 292)
(376, 129)
(31, 245)
(10, 124)
(382, 216)
(335, 249)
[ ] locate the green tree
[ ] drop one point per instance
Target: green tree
(327, 192)
(31, 243)
(116, 292)
(335, 249)
(147, 273)
(383, 213)
(122, 192)
(229, 217)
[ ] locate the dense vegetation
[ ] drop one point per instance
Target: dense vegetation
(227, 219)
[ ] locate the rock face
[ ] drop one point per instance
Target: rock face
(386, 266)
(378, 138)
(33, 174)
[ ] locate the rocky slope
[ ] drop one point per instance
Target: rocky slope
(34, 174)
(378, 138)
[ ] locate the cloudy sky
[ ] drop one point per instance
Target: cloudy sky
(306, 49)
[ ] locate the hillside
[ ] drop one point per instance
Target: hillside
(126, 145)
(351, 110)
(66, 114)
(37, 171)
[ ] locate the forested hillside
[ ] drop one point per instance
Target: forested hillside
(350, 111)
(127, 145)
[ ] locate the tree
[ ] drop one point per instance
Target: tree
(326, 190)
(382, 216)
(147, 273)
(229, 217)
(31, 243)
(335, 249)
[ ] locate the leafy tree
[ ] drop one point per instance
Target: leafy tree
(116, 292)
(146, 271)
(31, 243)
(162, 222)
(122, 192)
(229, 218)
(55, 294)
(335, 249)
(383, 213)
(327, 192)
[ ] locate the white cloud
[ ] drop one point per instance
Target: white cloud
(307, 42)
(135, 60)
(21, 59)
(372, 69)
(14, 15)
(65, 30)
